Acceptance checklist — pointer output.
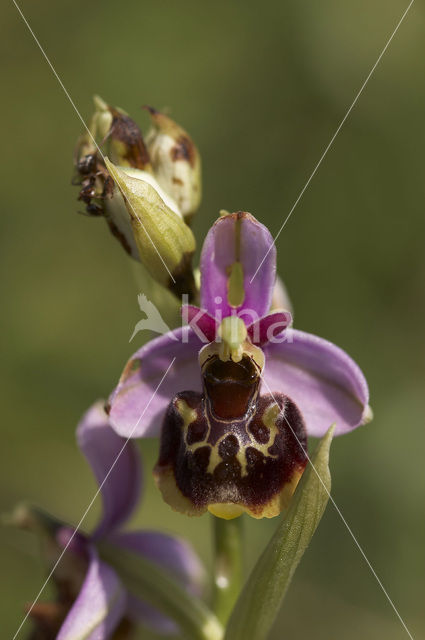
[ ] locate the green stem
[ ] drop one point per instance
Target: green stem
(147, 581)
(227, 565)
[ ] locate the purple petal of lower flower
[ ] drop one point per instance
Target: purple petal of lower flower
(325, 383)
(174, 555)
(136, 406)
(121, 467)
(237, 237)
(144, 614)
(99, 607)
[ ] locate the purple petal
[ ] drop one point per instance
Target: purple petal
(145, 614)
(325, 383)
(116, 465)
(138, 404)
(171, 553)
(99, 607)
(74, 541)
(266, 328)
(238, 237)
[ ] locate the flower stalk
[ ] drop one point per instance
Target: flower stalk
(228, 565)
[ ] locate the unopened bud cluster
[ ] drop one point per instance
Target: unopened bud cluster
(147, 190)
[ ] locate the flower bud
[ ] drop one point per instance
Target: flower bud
(119, 135)
(116, 214)
(152, 230)
(164, 242)
(176, 162)
(101, 121)
(113, 131)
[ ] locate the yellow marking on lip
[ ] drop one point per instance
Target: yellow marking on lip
(269, 420)
(171, 493)
(189, 415)
(215, 457)
(166, 483)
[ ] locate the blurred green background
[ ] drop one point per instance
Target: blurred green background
(262, 88)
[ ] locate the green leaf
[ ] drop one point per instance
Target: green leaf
(147, 581)
(261, 598)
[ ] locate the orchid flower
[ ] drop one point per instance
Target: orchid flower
(244, 391)
(100, 606)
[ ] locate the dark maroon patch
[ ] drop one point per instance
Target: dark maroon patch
(226, 474)
(241, 473)
(260, 432)
(253, 456)
(228, 447)
(200, 459)
(196, 432)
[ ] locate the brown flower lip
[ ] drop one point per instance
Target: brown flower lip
(250, 463)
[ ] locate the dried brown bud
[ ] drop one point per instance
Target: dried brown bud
(176, 162)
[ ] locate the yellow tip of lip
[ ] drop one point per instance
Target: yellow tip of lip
(227, 510)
